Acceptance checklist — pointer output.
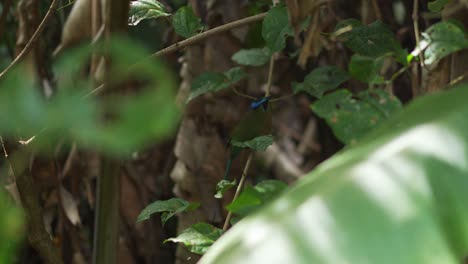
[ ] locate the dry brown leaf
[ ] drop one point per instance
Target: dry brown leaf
(70, 206)
(77, 28)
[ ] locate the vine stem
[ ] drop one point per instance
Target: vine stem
(33, 39)
(239, 189)
(204, 35)
(270, 75)
(417, 33)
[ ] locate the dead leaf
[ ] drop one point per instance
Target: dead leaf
(70, 206)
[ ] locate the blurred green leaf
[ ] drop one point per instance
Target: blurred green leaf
(214, 81)
(366, 69)
(223, 186)
(198, 238)
(260, 143)
(397, 197)
(252, 57)
(321, 80)
(12, 229)
(437, 5)
(440, 40)
(252, 198)
(169, 208)
(186, 23)
(145, 9)
(276, 28)
(352, 117)
(374, 40)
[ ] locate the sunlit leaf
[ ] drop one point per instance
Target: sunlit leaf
(374, 40)
(276, 28)
(440, 40)
(352, 117)
(321, 80)
(260, 143)
(186, 23)
(145, 9)
(223, 186)
(169, 208)
(397, 197)
(252, 57)
(198, 238)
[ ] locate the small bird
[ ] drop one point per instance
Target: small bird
(257, 122)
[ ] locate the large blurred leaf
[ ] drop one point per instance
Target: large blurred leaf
(352, 117)
(136, 120)
(440, 40)
(321, 80)
(145, 9)
(186, 23)
(276, 28)
(11, 229)
(398, 197)
(373, 40)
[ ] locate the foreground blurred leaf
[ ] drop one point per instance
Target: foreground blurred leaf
(145, 9)
(353, 117)
(70, 115)
(186, 23)
(397, 197)
(276, 28)
(169, 208)
(374, 40)
(440, 40)
(11, 229)
(321, 80)
(198, 238)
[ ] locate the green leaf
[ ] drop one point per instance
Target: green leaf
(169, 208)
(394, 198)
(186, 23)
(374, 40)
(223, 186)
(440, 40)
(213, 81)
(366, 69)
(145, 9)
(12, 229)
(198, 238)
(276, 28)
(252, 198)
(260, 143)
(437, 5)
(353, 117)
(252, 57)
(321, 80)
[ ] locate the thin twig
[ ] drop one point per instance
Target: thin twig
(459, 79)
(416, 29)
(243, 94)
(5, 10)
(202, 36)
(378, 13)
(270, 75)
(239, 188)
(33, 39)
